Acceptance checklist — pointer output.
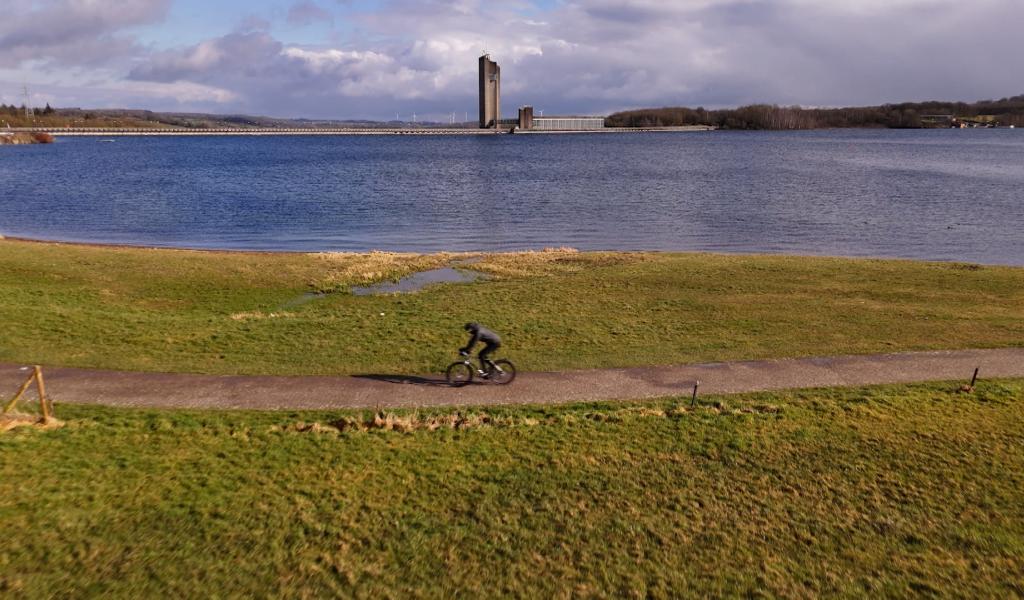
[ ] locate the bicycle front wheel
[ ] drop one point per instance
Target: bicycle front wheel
(503, 372)
(459, 374)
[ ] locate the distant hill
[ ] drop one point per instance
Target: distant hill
(1004, 112)
(78, 117)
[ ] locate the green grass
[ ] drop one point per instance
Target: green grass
(144, 309)
(898, 491)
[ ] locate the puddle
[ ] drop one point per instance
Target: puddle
(418, 281)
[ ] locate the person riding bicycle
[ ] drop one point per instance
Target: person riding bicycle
(491, 343)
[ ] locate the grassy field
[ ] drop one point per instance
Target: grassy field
(885, 491)
(166, 310)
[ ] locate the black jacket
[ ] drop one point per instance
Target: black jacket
(482, 334)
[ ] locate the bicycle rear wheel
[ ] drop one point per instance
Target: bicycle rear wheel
(503, 372)
(459, 374)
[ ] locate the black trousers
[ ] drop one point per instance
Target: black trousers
(489, 347)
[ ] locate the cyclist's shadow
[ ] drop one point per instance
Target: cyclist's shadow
(438, 381)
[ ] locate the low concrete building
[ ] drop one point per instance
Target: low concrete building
(526, 117)
(567, 123)
(490, 108)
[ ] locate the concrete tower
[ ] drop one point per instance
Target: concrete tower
(490, 92)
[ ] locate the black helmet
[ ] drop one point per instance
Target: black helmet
(471, 326)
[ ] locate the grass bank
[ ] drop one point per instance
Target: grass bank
(897, 491)
(167, 310)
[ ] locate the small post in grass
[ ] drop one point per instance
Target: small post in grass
(693, 400)
(967, 389)
(41, 387)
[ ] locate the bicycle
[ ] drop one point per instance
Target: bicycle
(461, 372)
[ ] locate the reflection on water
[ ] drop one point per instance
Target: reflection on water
(939, 194)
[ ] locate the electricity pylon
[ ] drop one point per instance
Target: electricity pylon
(28, 102)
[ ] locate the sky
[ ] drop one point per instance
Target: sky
(378, 59)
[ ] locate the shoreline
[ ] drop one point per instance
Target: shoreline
(24, 138)
(470, 253)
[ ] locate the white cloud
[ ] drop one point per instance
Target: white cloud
(181, 91)
(320, 61)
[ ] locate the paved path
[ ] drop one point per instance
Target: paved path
(116, 388)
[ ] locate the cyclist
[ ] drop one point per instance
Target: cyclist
(491, 343)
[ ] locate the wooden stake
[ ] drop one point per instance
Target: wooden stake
(975, 378)
(693, 401)
(21, 391)
(42, 392)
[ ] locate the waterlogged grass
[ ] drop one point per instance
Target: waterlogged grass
(145, 309)
(896, 491)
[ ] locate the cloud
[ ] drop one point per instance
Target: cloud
(233, 56)
(578, 56)
(729, 52)
(338, 62)
(184, 92)
(73, 32)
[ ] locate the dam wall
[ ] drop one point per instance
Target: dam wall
(116, 132)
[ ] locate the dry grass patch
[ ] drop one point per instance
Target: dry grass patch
(411, 422)
(257, 315)
(407, 423)
(14, 420)
(340, 270)
(552, 261)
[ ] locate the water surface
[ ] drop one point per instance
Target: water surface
(935, 194)
(417, 281)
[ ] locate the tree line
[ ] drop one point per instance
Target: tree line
(1007, 111)
(20, 110)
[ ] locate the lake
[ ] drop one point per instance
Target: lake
(930, 194)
